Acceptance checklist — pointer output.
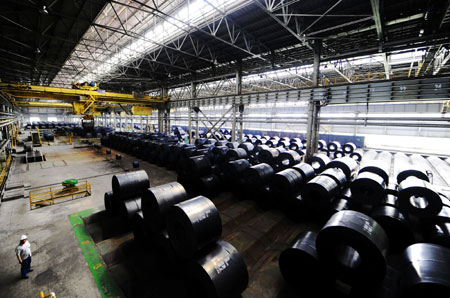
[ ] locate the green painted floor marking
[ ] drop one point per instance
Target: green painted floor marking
(106, 285)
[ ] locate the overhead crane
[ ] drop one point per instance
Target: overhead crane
(83, 101)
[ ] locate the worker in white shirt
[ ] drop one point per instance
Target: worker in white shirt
(23, 253)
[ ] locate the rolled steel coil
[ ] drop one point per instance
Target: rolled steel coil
(296, 146)
(260, 148)
(439, 234)
(235, 154)
(271, 143)
(334, 146)
(138, 227)
(337, 175)
(210, 141)
(300, 265)
(221, 143)
(419, 198)
(388, 200)
(346, 164)
(319, 191)
(109, 203)
(269, 156)
(321, 144)
(198, 165)
(354, 246)
(306, 170)
(288, 159)
(200, 141)
(357, 154)
(349, 148)
(338, 154)
(286, 182)
(377, 167)
(158, 200)
(248, 147)
(219, 273)
(368, 188)
(192, 225)
(425, 271)
(283, 143)
(296, 140)
(209, 185)
(258, 175)
(118, 156)
(392, 189)
(232, 145)
(412, 172)
(339, 204)
(368, 156)
(130, 207)
(234, 169)
(319, 162)
(259, 142)
(129, 184)
(396, 226)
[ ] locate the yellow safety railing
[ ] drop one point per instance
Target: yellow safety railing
(4, 171)
(48, 195)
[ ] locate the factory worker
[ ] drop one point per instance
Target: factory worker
(23, 253)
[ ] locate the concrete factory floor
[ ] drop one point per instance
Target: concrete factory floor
(58, 263)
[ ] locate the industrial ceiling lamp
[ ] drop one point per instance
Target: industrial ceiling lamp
(37, 51)
(43, 10)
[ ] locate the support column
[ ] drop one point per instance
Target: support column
(238, 92)
(193, 95)
(241, 123)
(314, 106)
(233, 125)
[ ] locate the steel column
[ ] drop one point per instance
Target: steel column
(314, 107)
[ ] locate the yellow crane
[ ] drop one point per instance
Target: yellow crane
(83, 101)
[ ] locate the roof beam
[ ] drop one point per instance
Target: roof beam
(280, 22)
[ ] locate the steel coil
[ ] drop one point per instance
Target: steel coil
(339, 204)
(209, 185)
(346, 164)
(198, 165)
(130, 207)
(306, 170)
(248, 147)
(258, 175)
(319, 162)
(368, 188)
(235, 154)
(349, 148)
(321, 144)
(192, 225)
(284, 144)
(334, 146)
(338, 154)
(419, 198)
(129, 184)
(158, 200)
(232, 145)
(425, 271)
(295, 146)
(439, 234)
(319, 191)
(109, 202)
(288, 159)
(396, 226)
(234, 170)
(388, 200)
(300, 265)
(357, 155)
(337, 175)
(377, 167)
(219, 273)
(285, 182)
(139, 231)
(354, 246)
(392, 189)
(268, 156)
